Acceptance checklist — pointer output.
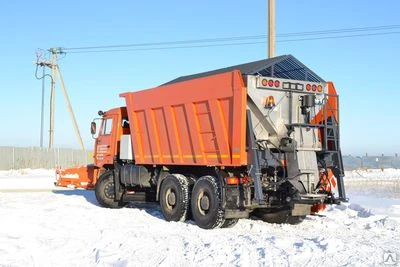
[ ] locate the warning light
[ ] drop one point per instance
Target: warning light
(277, 83)
(319, 88)
(232, 180)
(270, 103)
(308, 87)
(314, 87)
(264, 82)
(270, 83)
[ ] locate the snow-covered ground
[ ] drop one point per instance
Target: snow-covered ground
(41, 226)
(373, 174)
(376, 189)
(27, 179)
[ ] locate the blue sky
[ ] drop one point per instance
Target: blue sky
(364, 69)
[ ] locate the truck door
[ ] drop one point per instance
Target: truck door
(105, 142)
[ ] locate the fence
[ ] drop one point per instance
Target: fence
(36, 157)
(371, 162)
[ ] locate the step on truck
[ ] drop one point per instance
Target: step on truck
(259, 139)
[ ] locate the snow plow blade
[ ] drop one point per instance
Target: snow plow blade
(80, 177)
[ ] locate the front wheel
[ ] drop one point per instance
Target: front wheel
(105, 191)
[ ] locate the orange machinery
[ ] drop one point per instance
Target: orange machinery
(221, 146)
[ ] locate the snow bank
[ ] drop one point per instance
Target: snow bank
(385, 183)
(375, 189)
(68, 228)
(27, 179)
(373, 174)
(31, 173)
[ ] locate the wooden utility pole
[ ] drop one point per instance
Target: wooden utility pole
(271, 28)
(55, 71)
(71, 112)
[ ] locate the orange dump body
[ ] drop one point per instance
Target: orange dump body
(196, 122)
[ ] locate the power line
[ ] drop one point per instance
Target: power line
(230, 44)
(338, 37)
(170, 43)
(241, 38)
(165, 48)
(343, 30)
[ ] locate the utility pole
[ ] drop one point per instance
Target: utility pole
(70, 111)
(271, 28)
(52, 95)
(55, 71)
(42, 110)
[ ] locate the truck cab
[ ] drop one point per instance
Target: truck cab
(113, 124)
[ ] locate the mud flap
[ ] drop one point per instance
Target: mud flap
(301, 209)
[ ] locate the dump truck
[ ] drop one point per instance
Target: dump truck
(259, 139)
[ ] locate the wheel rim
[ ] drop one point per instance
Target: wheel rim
(203, 203)
(170, 198)
(109, 190)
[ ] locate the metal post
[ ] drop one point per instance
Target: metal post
(71, 113)
(13, 158)
(361, 162)
(54, 152)
(52, 96)
(271, 28)
(58, 158)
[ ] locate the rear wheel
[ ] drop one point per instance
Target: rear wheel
(295, 219)
(174, 197)
(105, 191)
(228, 223)
(191, 180)
(206, 203)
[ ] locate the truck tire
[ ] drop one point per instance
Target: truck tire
(295, 219)
(105, 191)
(228, 223)
(279, 217)
(206, 204)
(174, 197)
(191, 180)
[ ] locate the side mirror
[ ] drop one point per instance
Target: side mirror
(93, 128)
